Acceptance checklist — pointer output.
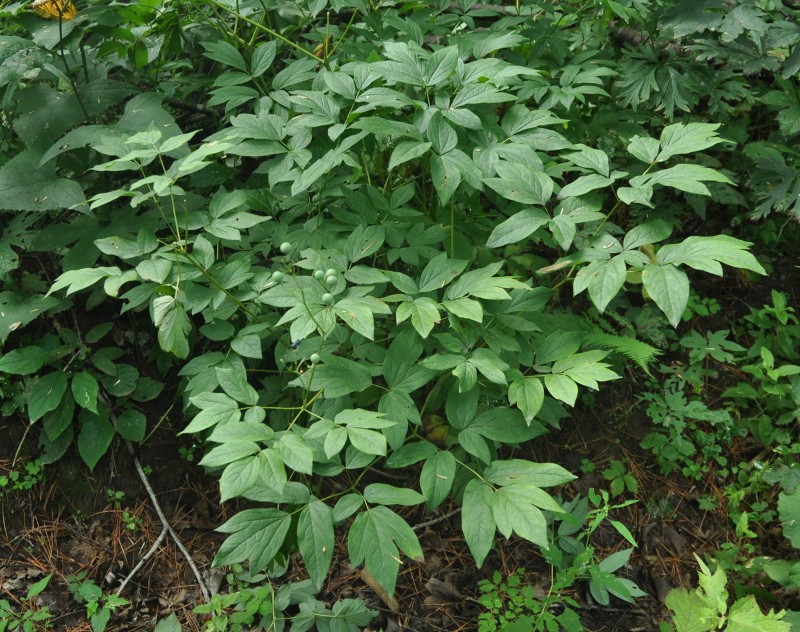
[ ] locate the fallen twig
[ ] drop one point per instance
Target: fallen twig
(167, 528)
(442, 518)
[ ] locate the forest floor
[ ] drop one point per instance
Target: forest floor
(71, 523)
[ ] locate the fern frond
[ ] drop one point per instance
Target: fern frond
(634, 350)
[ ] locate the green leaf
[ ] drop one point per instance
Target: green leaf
(584, 184)
(225, 53)
(374, 539)
(76, 280)
(442, 136)
(100, 619)
(262, 59)
(516, 190)
(24, 361)
(423, 311)
(239, 477)
(411, 453)
(406, 151)
(681, 139)
(644, 148)
(383, 494)
(257, 536)
(746, 616)
(335, 376)
(271, 469)
(360, 418)
(474, 443)
(16, 311)
(228, 453)
(169, 315)
(669, 288)
(648, 233)
(216, 408)
(445, 176)
(707, 253)
(528, 395)
(465, 308)
(513, 513)
(132, 424)
(346, 506)
(85, 390)
(684, 177)
(315, 540)
(436, 478)
(46, 394)
(94, 438)
(691, 614)
(477, 520)
(119, 247)
(294, 452)
(506, 472)
(440, 65)
(590, 158)
(357, 315)
(439, 272)
(367, 441)
(232, 377)
(489, 364)
(27, 186)
(789, 511)
(170, 624)
(400, 368)
(606, 280)
(562, 388)
(517, 227)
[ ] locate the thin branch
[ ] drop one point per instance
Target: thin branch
(142, 561)
(442, 518)
(167, 528)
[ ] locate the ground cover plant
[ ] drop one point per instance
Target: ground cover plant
(367, 256)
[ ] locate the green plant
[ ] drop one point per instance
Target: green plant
(131, 521)
(261, 608)
(376, 215)
(706, 608)
(769, 400)
(22, 479)
(99, 606)
(620, 478)
(514, 606)
(29, 618)
(116, 498)
(688, 435)
(509, 603)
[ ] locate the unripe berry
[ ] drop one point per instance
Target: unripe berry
(327, 298)
(286, 247)
(331, 280)
(319, 275)
(277, 276)
(314, 358)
